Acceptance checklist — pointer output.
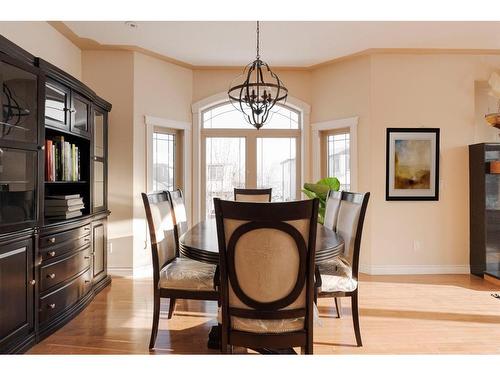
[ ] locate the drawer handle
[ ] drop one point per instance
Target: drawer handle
(86, 239)
(86, 228)
(87, 281)
(51, 276)
(52, 240)
(86, 257)
(51, 254)
(52, 306)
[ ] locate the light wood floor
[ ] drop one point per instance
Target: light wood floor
(399, 315)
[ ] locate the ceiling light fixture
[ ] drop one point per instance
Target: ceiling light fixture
(132, 24)
(259, 92)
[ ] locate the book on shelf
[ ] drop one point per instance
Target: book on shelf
(62, 160)
(63, 202)
(59, 210)
(64, 216)
(63, 207)
(70, 196)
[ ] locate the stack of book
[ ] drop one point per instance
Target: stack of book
(62, 160)
(61, 207)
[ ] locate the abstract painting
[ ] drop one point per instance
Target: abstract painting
(412, 164)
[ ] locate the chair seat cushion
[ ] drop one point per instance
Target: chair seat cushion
(269, 325)
(336, 276)
(187, 274)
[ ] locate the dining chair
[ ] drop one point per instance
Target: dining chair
(339, 277)
(178, 207)
(332, 209)
(252, 195)
(173, 277)
(267, 253)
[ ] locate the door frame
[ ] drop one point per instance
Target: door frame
(198, 107)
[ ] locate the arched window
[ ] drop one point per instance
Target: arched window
(235, 154)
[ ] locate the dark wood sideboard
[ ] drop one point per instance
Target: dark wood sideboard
(50, 268)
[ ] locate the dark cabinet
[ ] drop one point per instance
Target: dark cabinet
(50, 269)
(16, 292)
(99, 159)
(19, 102)
(18, 188)
(79, 114)
(57, 105)
(66, 110)
(484, 180)
(99, 245)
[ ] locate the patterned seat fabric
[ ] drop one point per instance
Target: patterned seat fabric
(336, 276)
(187, 274)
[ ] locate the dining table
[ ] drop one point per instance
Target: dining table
(200, 243)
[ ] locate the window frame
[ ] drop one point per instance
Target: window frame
(250, 136)
(324, 152)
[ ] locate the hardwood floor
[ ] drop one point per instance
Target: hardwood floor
(399, 315)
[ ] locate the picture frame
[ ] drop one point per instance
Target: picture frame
(412, 164)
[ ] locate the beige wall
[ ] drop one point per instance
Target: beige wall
(42, 40)
(340, 91)
(111, 75)
(162, 90)
(207, 82)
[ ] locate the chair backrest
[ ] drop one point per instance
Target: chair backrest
(332, 209)
(350, 225)
(267, 253)
(161, 230)
(252, 195)
(179, 211)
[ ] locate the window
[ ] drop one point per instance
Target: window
(337, 153)
(235, 154)
(164, 160)
(276, 167)
(225, 169)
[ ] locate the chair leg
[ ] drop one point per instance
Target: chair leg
(355, 317)
(338, 307)
(171, 308)
(156, 320)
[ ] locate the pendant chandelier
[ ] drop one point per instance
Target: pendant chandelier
(260, 90)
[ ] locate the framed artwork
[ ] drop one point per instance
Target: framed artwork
(412, 164)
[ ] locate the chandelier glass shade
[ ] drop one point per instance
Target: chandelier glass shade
(257, 91)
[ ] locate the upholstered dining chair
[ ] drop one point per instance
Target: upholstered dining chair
(173, 277)
(267, 253)
(339, 277)
(178, 206)
(253, 195)
(332, 209)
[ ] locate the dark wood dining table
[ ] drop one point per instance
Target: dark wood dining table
(200, 243)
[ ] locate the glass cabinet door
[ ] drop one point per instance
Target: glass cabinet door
(57, 106)
(18, 121)
(80, 113)
(99, 120)
(18, 171)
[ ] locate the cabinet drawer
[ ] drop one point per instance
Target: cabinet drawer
(54, 240)
(54, 303)
(64, 247)
(61, 270)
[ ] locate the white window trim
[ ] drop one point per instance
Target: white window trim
(197, 108)
(352, 124)
(152, 122)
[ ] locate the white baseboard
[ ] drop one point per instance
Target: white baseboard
(414, 269)
(120, 271)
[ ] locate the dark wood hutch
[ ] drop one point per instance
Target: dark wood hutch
(50, 269)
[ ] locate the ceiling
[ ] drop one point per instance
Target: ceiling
(284, 43)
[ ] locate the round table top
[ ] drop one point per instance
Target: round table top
(200, 243)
